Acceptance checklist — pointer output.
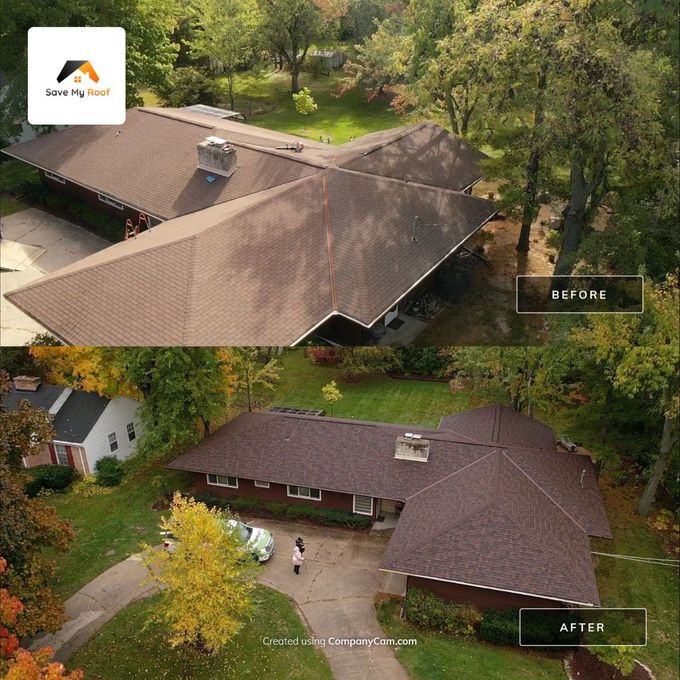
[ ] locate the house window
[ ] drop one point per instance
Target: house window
(110, 201)
(113, 442)
(262, 485)
(61, 453)
(222, 480)
(55, 178)
(132, 435)
(363, 505)
(304, 492)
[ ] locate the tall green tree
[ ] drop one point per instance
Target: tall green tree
(289, 28)
(226, 31)
(640, 356)
(182, 389)
(255, 376)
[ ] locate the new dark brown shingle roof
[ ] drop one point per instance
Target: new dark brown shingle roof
(262, 257)
(489, 525)
(512, 518)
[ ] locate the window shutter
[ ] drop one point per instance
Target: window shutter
(53, 454)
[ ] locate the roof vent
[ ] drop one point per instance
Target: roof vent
(218, 156)
(412, 447)
(26, 383)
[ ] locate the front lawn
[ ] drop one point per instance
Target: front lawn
(439, 657)
(108, 528)
(624, 583)
(372, 397)
(127, 648)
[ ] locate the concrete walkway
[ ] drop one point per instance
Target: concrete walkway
(50, 243)
(97, 602)
(334, 594)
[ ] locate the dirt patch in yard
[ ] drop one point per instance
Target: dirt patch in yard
(586, 666)
(485, 314)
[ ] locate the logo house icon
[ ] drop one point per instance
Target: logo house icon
(83, 66)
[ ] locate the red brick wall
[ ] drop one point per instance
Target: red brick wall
(275, 492)
(480, 597)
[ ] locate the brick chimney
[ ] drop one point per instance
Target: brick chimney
(26, 383)
(412, 447)
(218, 156)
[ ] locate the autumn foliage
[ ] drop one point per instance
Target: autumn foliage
(21, 664)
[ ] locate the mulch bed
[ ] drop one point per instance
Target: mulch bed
(586, 666)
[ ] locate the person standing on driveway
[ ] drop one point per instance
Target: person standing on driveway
(300, 544)
(298, 559)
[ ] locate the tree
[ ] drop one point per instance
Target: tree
(331, 393)
(225, 31)
(17, 663)
(357, 361)
(304, 102)
(209, 577)
(290, 27)
(253, 377)
(188, 85)
(28, 527)
(182, 390)
(528, 379)
(92, 369)
(640, 356)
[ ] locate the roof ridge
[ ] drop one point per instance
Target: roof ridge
(329, 240)
(455, 472)
(543, 491)
(158, 111)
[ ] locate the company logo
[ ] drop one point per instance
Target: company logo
(89, 90)
(73, 66)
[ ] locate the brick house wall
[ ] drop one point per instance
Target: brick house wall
(276, 492)
(480, 597)
(48, 456)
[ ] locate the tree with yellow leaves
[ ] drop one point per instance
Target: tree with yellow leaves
(331, 393)
(209, 576)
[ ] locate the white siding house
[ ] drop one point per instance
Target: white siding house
(115, 433)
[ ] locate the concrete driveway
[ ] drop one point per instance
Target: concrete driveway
(38, 243)
(335, 593)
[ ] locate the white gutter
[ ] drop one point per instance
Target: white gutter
(500, 590)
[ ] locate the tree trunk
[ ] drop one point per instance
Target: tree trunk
(451, 110)
(668, 438)
(230, 90)
(574, 216)
(294, 78)
(531, 187)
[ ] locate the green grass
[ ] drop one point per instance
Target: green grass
(623, 583)
(374, 397)
(10, 205)
(439, 657)
(128, 648)
(266, 101)
(108, 528)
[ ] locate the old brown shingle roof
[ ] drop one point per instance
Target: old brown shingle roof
(512, 518)
(261, 257)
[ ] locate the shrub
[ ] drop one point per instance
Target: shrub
(324, 356)
(500, 626)
(422, 360)
(276, 508)
(188, 85)
(109, 471)
(622, 658)
(207, 499)
(426, 609)
(55, 477)
(328, 516)
(88, 486)
(243, 504)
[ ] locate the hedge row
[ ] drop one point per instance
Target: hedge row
(426, 609)
(325, 516)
